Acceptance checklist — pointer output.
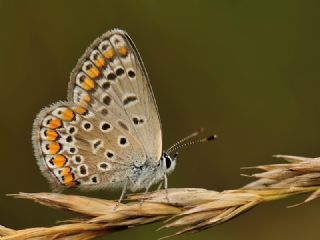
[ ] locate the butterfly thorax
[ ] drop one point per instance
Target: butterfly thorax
(151, 172)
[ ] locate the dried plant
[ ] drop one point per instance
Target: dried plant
(190, 209)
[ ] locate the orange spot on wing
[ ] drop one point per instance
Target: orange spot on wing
(85, 98)
(123, 51)
(68, 180)
(87, 84)
(54, 147)
(66, 171)
(55, 123)
(67, 115)
(51, 135)
(81, 110)
(93, 72)
(109, 53)
(59, 161)
(100, 62)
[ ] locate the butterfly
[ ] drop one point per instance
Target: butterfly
(108, 133)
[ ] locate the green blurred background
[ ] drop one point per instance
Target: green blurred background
(247, 70)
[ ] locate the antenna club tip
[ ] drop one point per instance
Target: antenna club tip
(212, 137)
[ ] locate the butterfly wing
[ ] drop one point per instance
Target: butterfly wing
(110, 123)
(75, 146)
(111, 77)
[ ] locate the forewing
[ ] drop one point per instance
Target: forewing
(110, 78)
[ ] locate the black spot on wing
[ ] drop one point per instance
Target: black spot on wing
(97, 144)
(107, 100)
(119, 71)
(129, 99)
(106, 85)
(123, 125)
(131, 74)
(111, 76)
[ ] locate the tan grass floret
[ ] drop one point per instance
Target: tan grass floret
(191, 209)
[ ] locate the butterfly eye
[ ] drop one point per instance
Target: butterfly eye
(168, 162)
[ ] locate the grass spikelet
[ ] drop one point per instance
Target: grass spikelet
(189, 209)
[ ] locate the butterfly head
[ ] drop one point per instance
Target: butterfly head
(168, 162)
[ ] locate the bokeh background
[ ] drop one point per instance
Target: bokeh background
(247, 70)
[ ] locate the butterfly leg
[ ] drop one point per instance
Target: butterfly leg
(165, 179)
(124, 190)
(160, 185)
(147, 190)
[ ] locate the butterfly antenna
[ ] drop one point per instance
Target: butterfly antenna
(192, 135)
(207, 139)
